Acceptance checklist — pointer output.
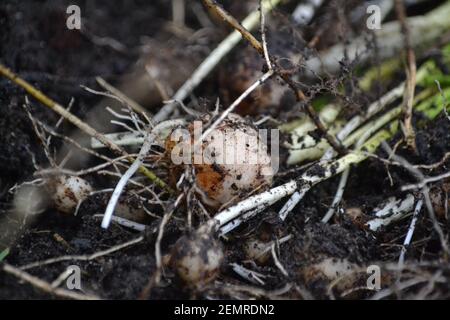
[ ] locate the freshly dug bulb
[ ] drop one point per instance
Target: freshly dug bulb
(257, 250)
(231, 162)
(330, 270)
(197, 257)
(67, 191)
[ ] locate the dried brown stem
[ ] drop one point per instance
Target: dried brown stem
(44, 285)
(408, 95)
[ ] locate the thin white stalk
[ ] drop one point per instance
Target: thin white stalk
(410, 233)
(263, 37)
(250, 22)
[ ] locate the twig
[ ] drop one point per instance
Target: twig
(408, 95)
(45, 286)
(41, 97)
(135, 138)
(263, 36)
(212, 60)
(277, 262)
(83, 257)
(435, 165)
(425, 181)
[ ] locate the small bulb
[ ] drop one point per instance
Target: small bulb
(231, 162)
(197, 257)
(67, 191)
(257, 250)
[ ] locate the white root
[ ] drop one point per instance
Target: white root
(393, 210)
(343, 181)
(126, 223)
(249, 275)
(425, 181)
(161, 131)
(230, 226)
(277, 261)
(212, 60)
(145, 149)
(124, 180)
(410, 233)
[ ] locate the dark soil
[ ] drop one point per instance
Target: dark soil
(36, 44)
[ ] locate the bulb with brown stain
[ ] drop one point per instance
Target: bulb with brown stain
(231, 162)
